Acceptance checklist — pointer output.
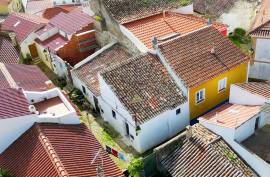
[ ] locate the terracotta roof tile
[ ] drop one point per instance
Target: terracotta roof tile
(160, 26)
(205, 154)
(144, 87)
(88, 73)
(53, 11)
(36, 6)
(8, 53)
(71, 22)
(262, 17)
(23, 24)
(56, 150)
(191, 58)
(53, 43)
(125, 10)
(230, 115)
(258, 88)
(29, 77)
(262, 31)
(214, 7)
(13, 103)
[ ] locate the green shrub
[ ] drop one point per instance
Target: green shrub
(77, 97)
(239, 32)
(61, 82)
(27, 59)
(4, 173)
(135, 167)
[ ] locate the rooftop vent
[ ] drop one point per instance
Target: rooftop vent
(17, 23)
(213, 51)
(32, 109)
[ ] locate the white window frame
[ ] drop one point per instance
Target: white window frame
(224, 85)
(202, 97)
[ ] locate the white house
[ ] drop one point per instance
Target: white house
(27, 96)
(85, 74)
(141, 102)
(244, 123)
(260, 34)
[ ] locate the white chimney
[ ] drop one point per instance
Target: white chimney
(32, 109)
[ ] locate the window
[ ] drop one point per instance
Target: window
(83, 89)
(113, 114)
(200, 96)
(222, 84)
(178, 111)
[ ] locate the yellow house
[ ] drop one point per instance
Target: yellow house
(204, 64)
(8, 6)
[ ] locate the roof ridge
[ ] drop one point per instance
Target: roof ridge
(29, 17)
(8, 76)
(51, 152)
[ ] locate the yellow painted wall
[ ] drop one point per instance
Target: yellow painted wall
(3, 10)
(212, 96)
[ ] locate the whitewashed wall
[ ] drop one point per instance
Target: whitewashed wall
(243, 97)
(48, 34)
(25, 43)
(245, 130)
(153, 132)
(13, 128)
(262, 49)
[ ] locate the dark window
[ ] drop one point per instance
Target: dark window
(83, 89)
(127, 128)
(178, 111)
(113, 114)
(131, 136)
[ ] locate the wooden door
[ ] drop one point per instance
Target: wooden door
(33, 50)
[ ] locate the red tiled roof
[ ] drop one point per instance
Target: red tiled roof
(13, 103)
(53, 11)
(44, 29)
(8, 53)
(205, 154)
(191, 59)
(29, 77)
(71, 22)
(258, 88)
(88, 73)
(22, 24)
(144, 87)
(56, 150)
(158, 26)
(262, 17)
(230, 115)
(36, 6)
(53, 43)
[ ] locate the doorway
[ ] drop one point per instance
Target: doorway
(33, 51)
(96, 105)
(257, 123)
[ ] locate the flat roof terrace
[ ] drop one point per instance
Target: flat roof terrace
(259, 143)
(53, 107)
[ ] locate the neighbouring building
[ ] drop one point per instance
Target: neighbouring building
(57, 150)
(9, 6)
(27, 96)
(9, 49)
(244, 123)
(200, 152)
(169, 23)
(24, 25)
(141, 102)
(204, 64)
(85, 74)
(260, 35)
(67, 39)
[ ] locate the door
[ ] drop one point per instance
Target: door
(257, 123)
(127, 128)
(33, 50)
(96, 105)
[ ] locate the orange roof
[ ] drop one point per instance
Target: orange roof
(230, 115)
(158, 26)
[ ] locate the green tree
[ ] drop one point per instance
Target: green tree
(135, 167)
(4, 173)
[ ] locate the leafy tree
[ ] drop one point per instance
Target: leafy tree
(4, 173)
(136, 167)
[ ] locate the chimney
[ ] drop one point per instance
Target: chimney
(188, 132)
(154, 43)
(49, 84)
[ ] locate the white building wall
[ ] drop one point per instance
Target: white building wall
(245, 130)
(13, 128)
(25, 43)
(243, 97)
(153, 132)
(48, 34)
(262, 50)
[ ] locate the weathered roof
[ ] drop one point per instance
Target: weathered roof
(57, 151)
(205, 154)
(28, 77)
(258, 88)
(170, 23)
(191, 57)
(13, 103)
(214, 7)
(8, 53)
(88, 72)
(23, 24)
(53, 11)
(126, 10)
(144, 87)
(71, 22)
(37, 6)
(230, 115)
(53, 43)
(260, 24)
